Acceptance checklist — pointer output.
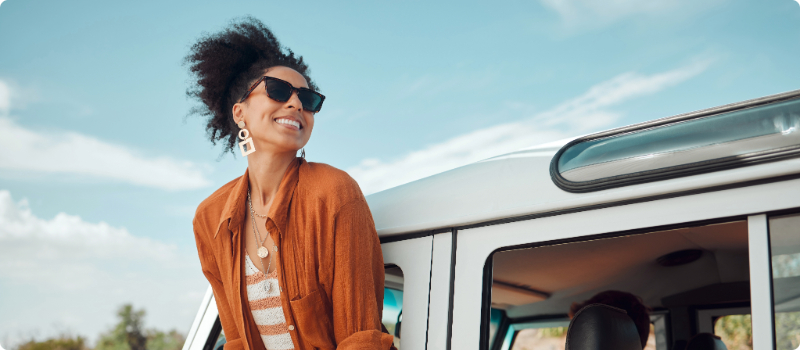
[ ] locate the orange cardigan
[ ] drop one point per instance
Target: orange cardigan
(330, 265)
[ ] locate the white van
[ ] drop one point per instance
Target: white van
(697, 214)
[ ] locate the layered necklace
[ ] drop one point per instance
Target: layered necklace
(263, 252)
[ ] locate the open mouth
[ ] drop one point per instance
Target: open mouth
(289, 122)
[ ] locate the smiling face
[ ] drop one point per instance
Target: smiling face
(275, 126)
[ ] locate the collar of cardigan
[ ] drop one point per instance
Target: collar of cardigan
(235, 210)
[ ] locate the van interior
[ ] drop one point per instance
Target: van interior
(693, 279)
(393, 302)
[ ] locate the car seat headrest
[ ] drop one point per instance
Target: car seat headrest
(602, 327)
(706, 341)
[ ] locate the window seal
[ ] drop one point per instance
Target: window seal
(682, 170)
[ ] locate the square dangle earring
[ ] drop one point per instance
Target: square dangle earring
(244, 135)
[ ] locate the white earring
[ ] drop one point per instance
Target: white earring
(244, 135)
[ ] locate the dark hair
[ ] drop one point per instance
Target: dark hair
(225, 64)
(637, 311)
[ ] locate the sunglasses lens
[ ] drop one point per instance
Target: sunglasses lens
(311, 100)
(278, 90)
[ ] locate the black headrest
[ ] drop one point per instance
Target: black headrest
(706, 341)
(602, 327)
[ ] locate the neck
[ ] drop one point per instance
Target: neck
(266, 171)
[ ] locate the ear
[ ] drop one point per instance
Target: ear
(237, 111)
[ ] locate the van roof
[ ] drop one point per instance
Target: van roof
(497, 187)
(518, 185)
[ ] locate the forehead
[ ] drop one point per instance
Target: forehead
(288, 74)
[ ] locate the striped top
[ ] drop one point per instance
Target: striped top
(263, 295)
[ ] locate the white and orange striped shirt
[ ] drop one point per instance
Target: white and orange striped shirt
(263, 294)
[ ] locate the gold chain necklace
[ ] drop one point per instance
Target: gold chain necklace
(263, 252)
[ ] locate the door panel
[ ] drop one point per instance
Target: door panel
(413, 257)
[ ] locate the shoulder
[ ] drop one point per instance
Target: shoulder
(210, 208)
(329, 184)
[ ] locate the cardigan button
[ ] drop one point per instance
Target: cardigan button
(291, 328)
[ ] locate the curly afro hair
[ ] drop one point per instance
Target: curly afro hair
(225, 64)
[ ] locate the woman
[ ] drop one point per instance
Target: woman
(289, 248)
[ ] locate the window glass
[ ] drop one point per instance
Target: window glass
(553, 338)
(220, 343)
(393, 303)
(784, 234)
(658, 331)
(684, 147)
(508, 338)
(216, 337)
(651, 340)
(736, 331)
(494, 323)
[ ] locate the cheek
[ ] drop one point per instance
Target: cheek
(310, 122)
(265, 109)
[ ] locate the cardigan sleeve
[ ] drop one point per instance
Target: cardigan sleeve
(357, 296)
(211, 270)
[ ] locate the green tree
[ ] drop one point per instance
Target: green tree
(736, 331)
(62, 342)
(787, 330)
(158, 340)
(129, 334)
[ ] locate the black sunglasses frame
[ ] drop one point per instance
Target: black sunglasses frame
(293, 90)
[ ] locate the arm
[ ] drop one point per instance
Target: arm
(211, 271)
(357, 297)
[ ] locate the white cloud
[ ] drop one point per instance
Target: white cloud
(592, 13)
(585, 113)
(63, 237)
(70, 152)
(72, 274)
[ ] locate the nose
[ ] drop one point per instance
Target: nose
(294, 101)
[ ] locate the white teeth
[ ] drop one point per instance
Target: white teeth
(288, 122)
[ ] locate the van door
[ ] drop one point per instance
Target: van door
(408, 277)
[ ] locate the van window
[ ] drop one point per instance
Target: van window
(784, 235)
(754, 132)
(216, 337)
(495, 319)
(673, 272)
(547, 336)
(393, 302)
(541, 338)
(736, 331)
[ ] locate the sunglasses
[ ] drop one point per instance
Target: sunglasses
(281, 90)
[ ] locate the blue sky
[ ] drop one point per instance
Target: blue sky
(101, 169)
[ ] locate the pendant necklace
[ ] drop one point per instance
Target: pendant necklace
(263, 252)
